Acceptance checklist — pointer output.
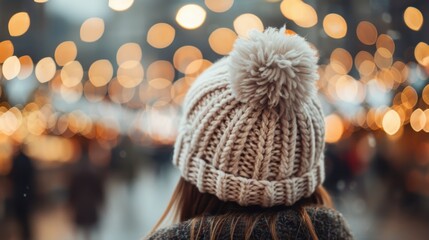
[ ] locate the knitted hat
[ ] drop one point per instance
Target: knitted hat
(252, 130)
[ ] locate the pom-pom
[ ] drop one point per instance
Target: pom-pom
(271, 68)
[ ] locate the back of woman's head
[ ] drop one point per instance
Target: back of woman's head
(252, 134)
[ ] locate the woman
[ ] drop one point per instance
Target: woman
(250, 148)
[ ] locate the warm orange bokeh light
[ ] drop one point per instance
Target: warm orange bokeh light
(219, 6)
(100, 72)
(191, 16)
(130, 74)
(65, 52)
(366, 33)
(421, 53)
(413, 18)
(300, 12)
(27, 67)
(6, 50)
(45, 69)
(120, 5)
(72, 74)
(335, 26)
(11, 67)
(184, 56)
(221, 40)
(247, 22)
(92, 29)
(161, 35)
(19, 24)
(334, 128)
(129, 52)
(391, 122)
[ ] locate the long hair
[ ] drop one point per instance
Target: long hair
(187, 203)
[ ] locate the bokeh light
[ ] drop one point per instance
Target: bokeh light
(409, 97)
(130, 74)
(120, 5)
(413, 18)
(335, 26)
(421, 53)
(391, 122)
(71, 94)
(341, 61)
(100, 72)
(247, 22)
(121, 92)
(161, 35)
(160, 74)
(65, 52)
(334, 128)
(222, 40)
(219, 6)
(385, 41)
(366, 33)
(184, 56)
(191, 16)
(93, 93)
(6, 50)
(19, 24)
(195, 68)
(418, 120)
(11, 67)
(129, 52)
(27, 67)
(300, 12)
(72, 74)
(45, 69)
(92, 29)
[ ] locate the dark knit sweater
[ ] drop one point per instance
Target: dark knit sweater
(328, 224)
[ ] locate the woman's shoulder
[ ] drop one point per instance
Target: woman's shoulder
(177, 231)
(327, 222)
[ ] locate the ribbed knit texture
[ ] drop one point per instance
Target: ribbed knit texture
(328, 224)
(265, 152)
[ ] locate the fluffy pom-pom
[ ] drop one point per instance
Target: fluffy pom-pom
(271, 68)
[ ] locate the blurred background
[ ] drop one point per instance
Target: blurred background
(90, 95)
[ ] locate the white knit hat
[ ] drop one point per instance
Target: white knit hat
(252, 130)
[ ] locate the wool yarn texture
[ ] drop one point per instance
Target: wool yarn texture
(252, 129)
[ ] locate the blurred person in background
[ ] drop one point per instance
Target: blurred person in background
(86, 196)
(250, 148)
(22, 182)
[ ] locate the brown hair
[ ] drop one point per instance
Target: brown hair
(190, 204)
